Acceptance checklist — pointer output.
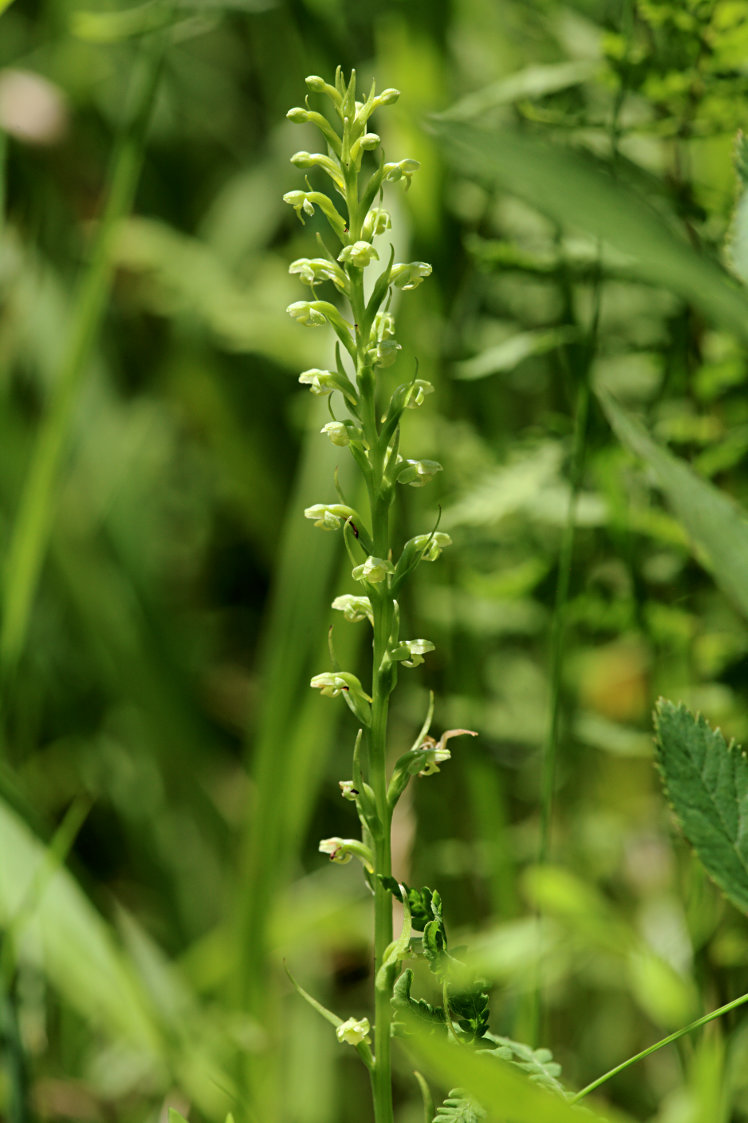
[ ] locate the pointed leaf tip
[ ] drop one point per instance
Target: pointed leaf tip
(706, 781)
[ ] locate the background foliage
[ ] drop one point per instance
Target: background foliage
(164, 602)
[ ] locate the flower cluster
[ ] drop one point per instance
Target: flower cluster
(354, 283)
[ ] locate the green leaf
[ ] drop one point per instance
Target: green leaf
(511, 352)
(494, 1084)
(175, 1116)
(737, 239)
(718, 527)
(459, 1108)
(706, 780)
(419, 901)
(537, 1063)
(574, 190)
(416, 1007)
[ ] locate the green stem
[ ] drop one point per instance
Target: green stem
(381, 685)
(660, 1044)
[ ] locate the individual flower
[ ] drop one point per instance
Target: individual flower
(416, 392)
(354, 608)
(431, 545)
(384, 353)
(354, 1031)
(373, 570)
(418, 473)
(376, 222)
(341, 433)
(329, 516)
(360, 254)
(334, 683)
(402, 170)
(319, 381)
(305, 312)
(341, 850)
(409, 275)
(315, 270)
(436, 752)
(347, 790)
(306, 201)
(411, 652)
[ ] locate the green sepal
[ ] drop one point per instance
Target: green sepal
(176, 1117)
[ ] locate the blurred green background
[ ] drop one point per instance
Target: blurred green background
(164, 602)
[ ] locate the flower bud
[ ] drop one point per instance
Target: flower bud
(418, 473)
(354, 1032)
(409, 275)
(354, 608)
(298, 115)
(305, 159)
(373, 570)
(387, 97)
(314, 82)
(369, 141)
(359, 254)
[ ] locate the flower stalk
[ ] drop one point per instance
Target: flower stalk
(359, 278)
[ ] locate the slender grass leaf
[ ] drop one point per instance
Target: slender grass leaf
(717, 527)
(532, 82)
(511, 352)
(574, 190)
(706, 780)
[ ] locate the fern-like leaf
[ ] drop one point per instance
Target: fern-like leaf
(459, 1108)
(537, 1063)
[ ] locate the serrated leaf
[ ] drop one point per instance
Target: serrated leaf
(419, 901)
(416, 1007)
(717, 526)
(537, 1063)
(706, 780)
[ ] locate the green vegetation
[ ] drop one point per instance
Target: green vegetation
(165, 771)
